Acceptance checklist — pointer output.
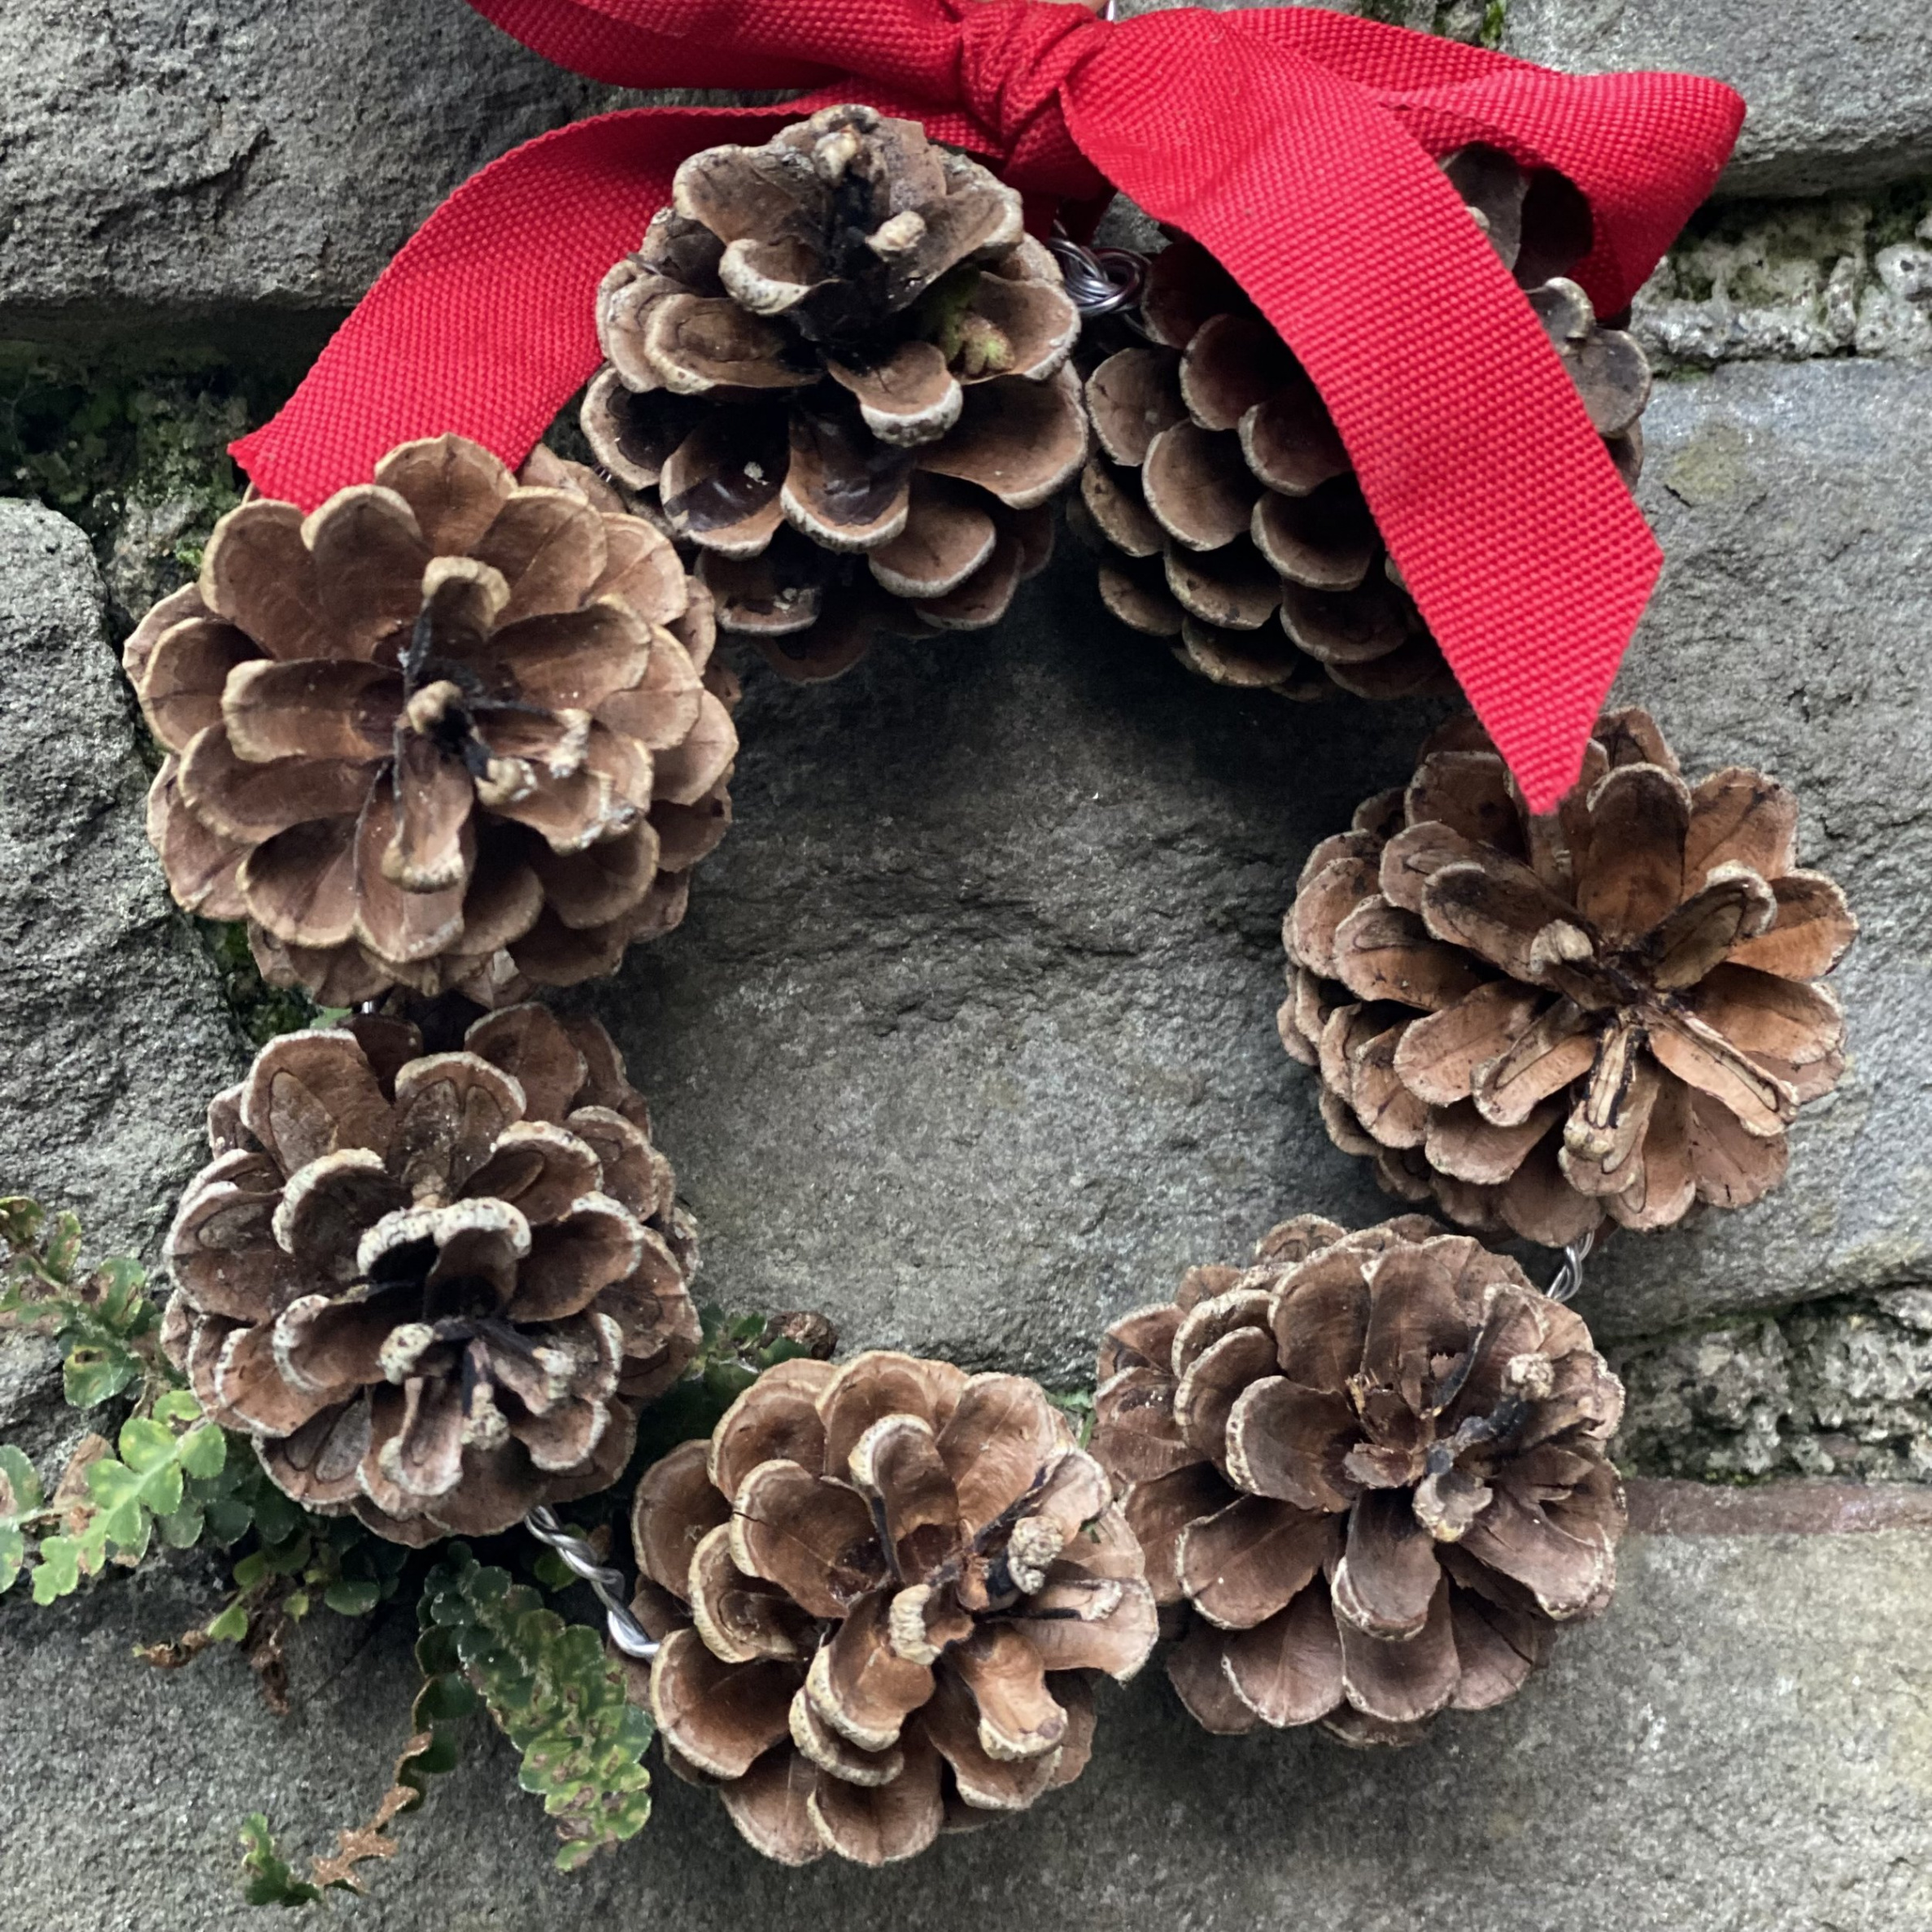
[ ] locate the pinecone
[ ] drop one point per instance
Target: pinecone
(1543, 1021)
(453, 730)
(434, 1290)
(838, 368)
(1220, 495)
(880, 1589)
(1372, 1466)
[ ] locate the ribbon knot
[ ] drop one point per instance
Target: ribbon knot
(1014, 56)
(1299, 146)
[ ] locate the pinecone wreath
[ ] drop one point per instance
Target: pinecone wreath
(1371, 1469)
(881, 1590)
(1221, 500)
(837, 369)
(434, 1289)
(456, 729)
(1542, 1022)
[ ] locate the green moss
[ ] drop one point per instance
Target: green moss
(1803, 267)
(1694, 282)
(133, 451)
(261, 1011)
(83, 437)
(1897, 212)
(1475, 23)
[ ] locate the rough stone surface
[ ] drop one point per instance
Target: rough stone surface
(1829, 1388)
(1741, 1746)
(112, 1031)
(969, 1041)
(1788, 635)
(1839, 97)
(175, 155)
(968, 1038)
(172, 159)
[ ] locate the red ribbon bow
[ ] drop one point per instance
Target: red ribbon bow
(1296, 144)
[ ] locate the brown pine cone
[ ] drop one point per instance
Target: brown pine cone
(453, 730)
(1372, 1466)
(880, 1589)
(1220, 495)
(838, 368)
(1542, 1022)
(435, 1289)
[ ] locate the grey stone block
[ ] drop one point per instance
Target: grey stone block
(113, 1035)
(968, 1038)
(165, 158)
(1788, 635)
(1740, 1746)
(1839, 98)
(112, 1031)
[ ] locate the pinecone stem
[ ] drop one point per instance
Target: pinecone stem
(607, 1585)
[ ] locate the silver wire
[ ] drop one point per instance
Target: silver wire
(626, 1633)
(1569, 1277)
(1101, 281)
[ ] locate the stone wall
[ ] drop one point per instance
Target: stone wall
(968, 1038)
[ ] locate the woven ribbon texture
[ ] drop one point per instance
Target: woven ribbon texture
(1297, 145)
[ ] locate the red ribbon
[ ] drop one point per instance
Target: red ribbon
(1296, 144)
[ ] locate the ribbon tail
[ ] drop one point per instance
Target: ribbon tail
(1513, 531)
(485, 323)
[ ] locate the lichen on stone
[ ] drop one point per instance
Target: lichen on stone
(1784, 281)
(1840, 1388)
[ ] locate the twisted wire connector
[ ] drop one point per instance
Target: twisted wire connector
(1100, 281)
(1569, 1277)
(626, 1633)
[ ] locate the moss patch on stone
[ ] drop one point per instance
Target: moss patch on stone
(262, 1011)
(134, 451)
(1475, 23)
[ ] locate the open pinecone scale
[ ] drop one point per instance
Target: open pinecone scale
(1227, 514)
(1611, 1012)
(838, 370)
(452, 730)
(881, 1590)
(1369, 1476)
(433, 1288)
